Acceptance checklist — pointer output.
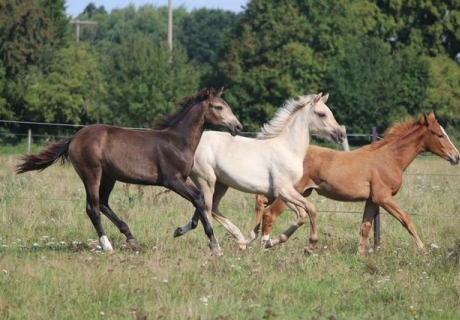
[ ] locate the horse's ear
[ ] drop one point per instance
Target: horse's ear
(209, 90)
(425, 118)
(324, 98)
(220, 91)
(318, 97)
(431, 117)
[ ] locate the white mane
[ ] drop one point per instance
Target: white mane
(273, 128)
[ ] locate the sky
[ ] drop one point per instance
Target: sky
(75, 7)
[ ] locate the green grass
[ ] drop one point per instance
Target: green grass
(51, 266)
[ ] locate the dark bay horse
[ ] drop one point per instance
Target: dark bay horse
(163, 156)
(372, 174)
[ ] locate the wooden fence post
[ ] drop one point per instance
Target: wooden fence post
(377, 210)
(345, 145)
(29, 140)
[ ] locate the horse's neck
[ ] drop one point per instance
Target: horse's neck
(408, 147)
(189, 128)
(296, 135)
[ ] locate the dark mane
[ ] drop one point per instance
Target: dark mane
(184, 106)
(394, 132)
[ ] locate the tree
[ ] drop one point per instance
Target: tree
(70, 92)
(374, 87)
(142, 83)
(30, 32)
(443, 93)
(202, 30)
(287, 48)
(430, 27)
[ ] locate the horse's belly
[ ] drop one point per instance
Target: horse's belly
(344, 193)
(247, 183)
(138, 173)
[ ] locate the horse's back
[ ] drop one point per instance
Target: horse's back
(242, 163)
(121, 154)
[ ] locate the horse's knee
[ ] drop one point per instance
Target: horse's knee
(301, 221)
(261, 200)
(268, 220)
(92, 211)
(365, 228)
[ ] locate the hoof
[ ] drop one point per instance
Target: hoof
(307, 251)
(267, 244)
(132, 244)
(178, 232)
(242, 246)
(216, 250)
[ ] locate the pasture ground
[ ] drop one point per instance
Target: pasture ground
(51, 266)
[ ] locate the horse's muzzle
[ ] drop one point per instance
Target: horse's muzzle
(234, 128)
(453, 159)
(339, 136)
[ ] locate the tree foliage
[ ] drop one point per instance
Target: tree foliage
(374, 87)
(70, 92)
(287, 49)
(380, 60)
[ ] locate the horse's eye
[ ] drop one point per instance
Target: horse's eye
(440, 136)
(218, 107)
(321, 115)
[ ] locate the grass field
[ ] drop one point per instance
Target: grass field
(52, 268)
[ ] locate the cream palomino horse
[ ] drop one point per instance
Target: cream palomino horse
(271, 164)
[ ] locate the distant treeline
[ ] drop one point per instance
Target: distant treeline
(380, 60)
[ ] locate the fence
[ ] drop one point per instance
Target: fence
(36, 131)
(71, 129)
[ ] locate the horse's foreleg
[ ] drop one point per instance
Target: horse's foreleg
(230, 227)
(191, 193)
(366, 225)
(392, 207)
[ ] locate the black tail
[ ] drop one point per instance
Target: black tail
(45, 158)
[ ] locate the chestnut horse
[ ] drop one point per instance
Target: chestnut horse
(102, 155)
(271, 164)
(372, 173)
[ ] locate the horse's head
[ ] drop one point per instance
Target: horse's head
(322, 122)
(437, 140)
(220, 113)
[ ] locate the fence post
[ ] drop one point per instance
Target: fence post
(29, 140)
(377, 210)
(345, 145)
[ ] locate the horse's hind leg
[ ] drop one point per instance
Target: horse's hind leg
(366, 225)
(301, 207)
(105, 189)
(92, 208)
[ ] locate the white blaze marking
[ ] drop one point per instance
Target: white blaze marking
(445, 134)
